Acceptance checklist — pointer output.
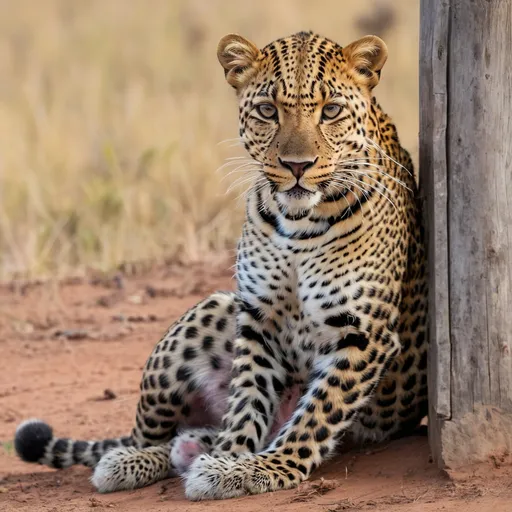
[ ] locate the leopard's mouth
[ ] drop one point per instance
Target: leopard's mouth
(298, 192)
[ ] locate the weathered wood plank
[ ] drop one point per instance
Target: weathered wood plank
(433, 179)
(480, 173)
(466, 164)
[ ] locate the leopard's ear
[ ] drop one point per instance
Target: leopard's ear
(238, 57)
(366, 57)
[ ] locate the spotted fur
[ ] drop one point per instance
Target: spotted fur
(325, 336)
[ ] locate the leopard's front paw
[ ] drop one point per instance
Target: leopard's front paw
(224, 477)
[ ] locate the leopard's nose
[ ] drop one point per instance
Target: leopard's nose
(298, 168)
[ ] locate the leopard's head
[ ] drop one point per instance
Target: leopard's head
(304, 105)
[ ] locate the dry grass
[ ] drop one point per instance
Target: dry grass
(111, 112)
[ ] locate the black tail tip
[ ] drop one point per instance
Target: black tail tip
(31, 439)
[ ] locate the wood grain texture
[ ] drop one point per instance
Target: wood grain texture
(466, 165)
(433, 186)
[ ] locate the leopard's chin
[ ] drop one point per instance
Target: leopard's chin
(298, 199)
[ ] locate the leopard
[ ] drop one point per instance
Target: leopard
(324, 340)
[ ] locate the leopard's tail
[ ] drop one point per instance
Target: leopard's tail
(34, 442)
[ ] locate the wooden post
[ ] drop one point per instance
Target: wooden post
(466, 178)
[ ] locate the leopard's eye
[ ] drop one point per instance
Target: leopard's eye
(267, 110)
(331, 111)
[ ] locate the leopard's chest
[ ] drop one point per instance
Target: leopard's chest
(297, 291)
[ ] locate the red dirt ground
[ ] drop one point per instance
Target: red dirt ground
(72, 354)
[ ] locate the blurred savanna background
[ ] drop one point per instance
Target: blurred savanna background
(115, 120)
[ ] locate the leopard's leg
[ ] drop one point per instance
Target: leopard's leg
(259, 379)
(346, 375)
(400, 401)
(190, 443)
(184, 385)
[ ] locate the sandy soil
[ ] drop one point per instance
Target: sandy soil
(72, 354)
